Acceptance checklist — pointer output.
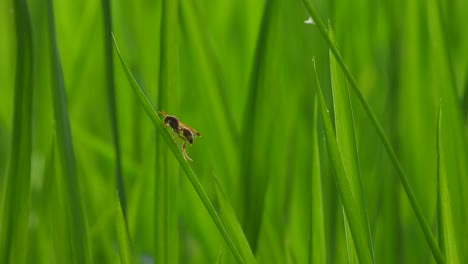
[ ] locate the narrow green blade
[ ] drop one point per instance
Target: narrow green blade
(15, 215)
(123, 238)
(79, 239)
(254, 187)
(346, 140)
(111, 99)
(232, 225)
(350, 201)
(317, 248)
(447, 239)
(166, 232)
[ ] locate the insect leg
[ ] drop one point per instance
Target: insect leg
(184, 151)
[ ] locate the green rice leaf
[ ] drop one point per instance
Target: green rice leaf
(254, 187)
(123, 237)
(349, 198)
(111, 99)
(388, 147)
(182, 162)
(14, 220)
(79, 239)
(447, 239)
(346, 140)
(232, 225)
(166, 232)
(317, 249)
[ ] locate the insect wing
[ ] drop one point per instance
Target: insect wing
(194, 132)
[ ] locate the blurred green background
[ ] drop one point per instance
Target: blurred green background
(241, 73)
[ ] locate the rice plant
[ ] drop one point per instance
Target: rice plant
(329, 131)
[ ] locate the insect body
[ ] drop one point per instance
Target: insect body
(183, 131)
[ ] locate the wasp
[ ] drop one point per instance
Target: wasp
(180, 129)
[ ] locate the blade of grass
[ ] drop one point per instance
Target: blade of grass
(317, 250)
(232, 225)
(388, 147)
(359, 230)
(79, 239)
(208, 59)
(123, 238)
(182, 162)
(447, 239)
(15, 215)
(165, 182)
(57, 209)
(251, 216)
(111, 100)
(123, 234)
(346, 140)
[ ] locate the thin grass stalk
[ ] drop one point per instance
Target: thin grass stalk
(346, 139)
(111, 100)
(80, 242)
(166, 236)
(14, 225)
(317, 247)
(250, 215)
(347, 194)
(447, 240)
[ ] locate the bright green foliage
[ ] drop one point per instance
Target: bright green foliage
(87, 177)
(317, 248)
(447, 239)
(349, 197)
(346, 140)
(16, 195)
(70, 183)
(185, 166)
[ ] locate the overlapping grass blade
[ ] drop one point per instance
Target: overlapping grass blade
(441, 26)
(317, 250)
(447, 239)
(349, 198)
(232, 225)
(14, 220)
(166, 237)
(79, 240)
(111, 100)
(208, 60)
(346, 140)
(123, 238)
(254, 187)
(182, 162)
(403, 177)
(57, 208)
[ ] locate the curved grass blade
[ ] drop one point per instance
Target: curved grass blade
(15, 212)
(447, 239)
(388, 147)
(79, 240)
(182, 162)
(346, 140)
(317, 248)
(349, 198)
